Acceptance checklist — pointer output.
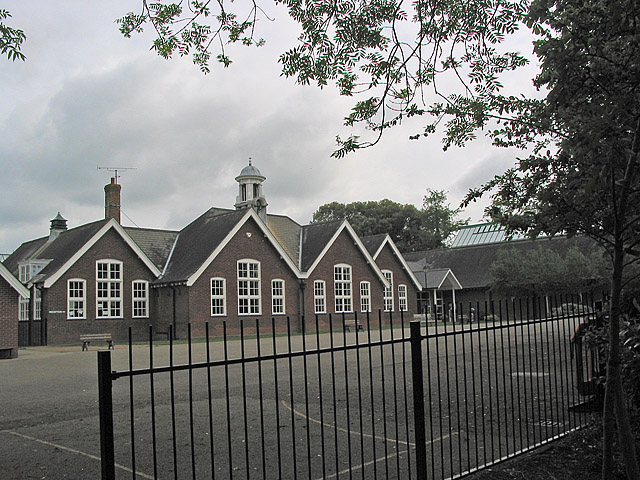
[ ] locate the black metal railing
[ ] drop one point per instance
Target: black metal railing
(436, 400)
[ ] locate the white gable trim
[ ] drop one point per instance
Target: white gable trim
(454, 281)
(267, 233)
(346, 226)
(14, 282)
(85, 248)
(392, 244)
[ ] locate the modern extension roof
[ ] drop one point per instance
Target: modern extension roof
(482, 234)
(472, 265)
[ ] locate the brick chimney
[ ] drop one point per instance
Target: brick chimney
(112, 200)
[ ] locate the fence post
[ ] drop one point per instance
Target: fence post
(105, 402)
(418, 400)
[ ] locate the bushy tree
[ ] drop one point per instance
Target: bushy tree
(372, 218)
(391, 54)
(410, 229)
(544, 271)
(583, 175)
(438, 221)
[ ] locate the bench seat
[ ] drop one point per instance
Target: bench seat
(96, 337)
(349, 324)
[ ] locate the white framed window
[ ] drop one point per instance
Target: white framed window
(388, 291)
(320, 296)
(402, 297)
(23, 309)
(218, 297)
(25, 273)
(140, 298)
(342, 288)
(365, 297)
(108, 289)
(277, 297)
(38, 306)
(76, 298)
(249, 301)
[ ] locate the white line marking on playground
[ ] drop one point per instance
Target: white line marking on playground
(344, 430)
(62, 447)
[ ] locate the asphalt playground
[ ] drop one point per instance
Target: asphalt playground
(245, 427)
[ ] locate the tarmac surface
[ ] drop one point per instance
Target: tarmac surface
(49, 423)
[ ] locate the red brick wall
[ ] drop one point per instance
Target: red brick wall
(62, 330)
(8, 318)
(387, 260)
(344, 250)
(254, 246)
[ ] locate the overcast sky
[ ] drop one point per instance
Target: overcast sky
(87, 97)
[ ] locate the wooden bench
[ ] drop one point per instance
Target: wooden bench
(96, 337)
(349, 324)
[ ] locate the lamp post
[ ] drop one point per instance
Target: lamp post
(425, 293)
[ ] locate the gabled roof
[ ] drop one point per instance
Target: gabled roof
(440, 278)
(24, 252)
(287, 232)
(315, 238)
(374, 245)
(68, 247)
(318, 238)
(200, 242)
(156, 244)
(58, 251)
(14, 282)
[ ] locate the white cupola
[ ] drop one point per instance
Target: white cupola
(250, 191)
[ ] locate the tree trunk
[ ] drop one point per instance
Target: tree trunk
(614, 397)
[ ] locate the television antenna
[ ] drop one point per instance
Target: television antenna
(116, 169)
